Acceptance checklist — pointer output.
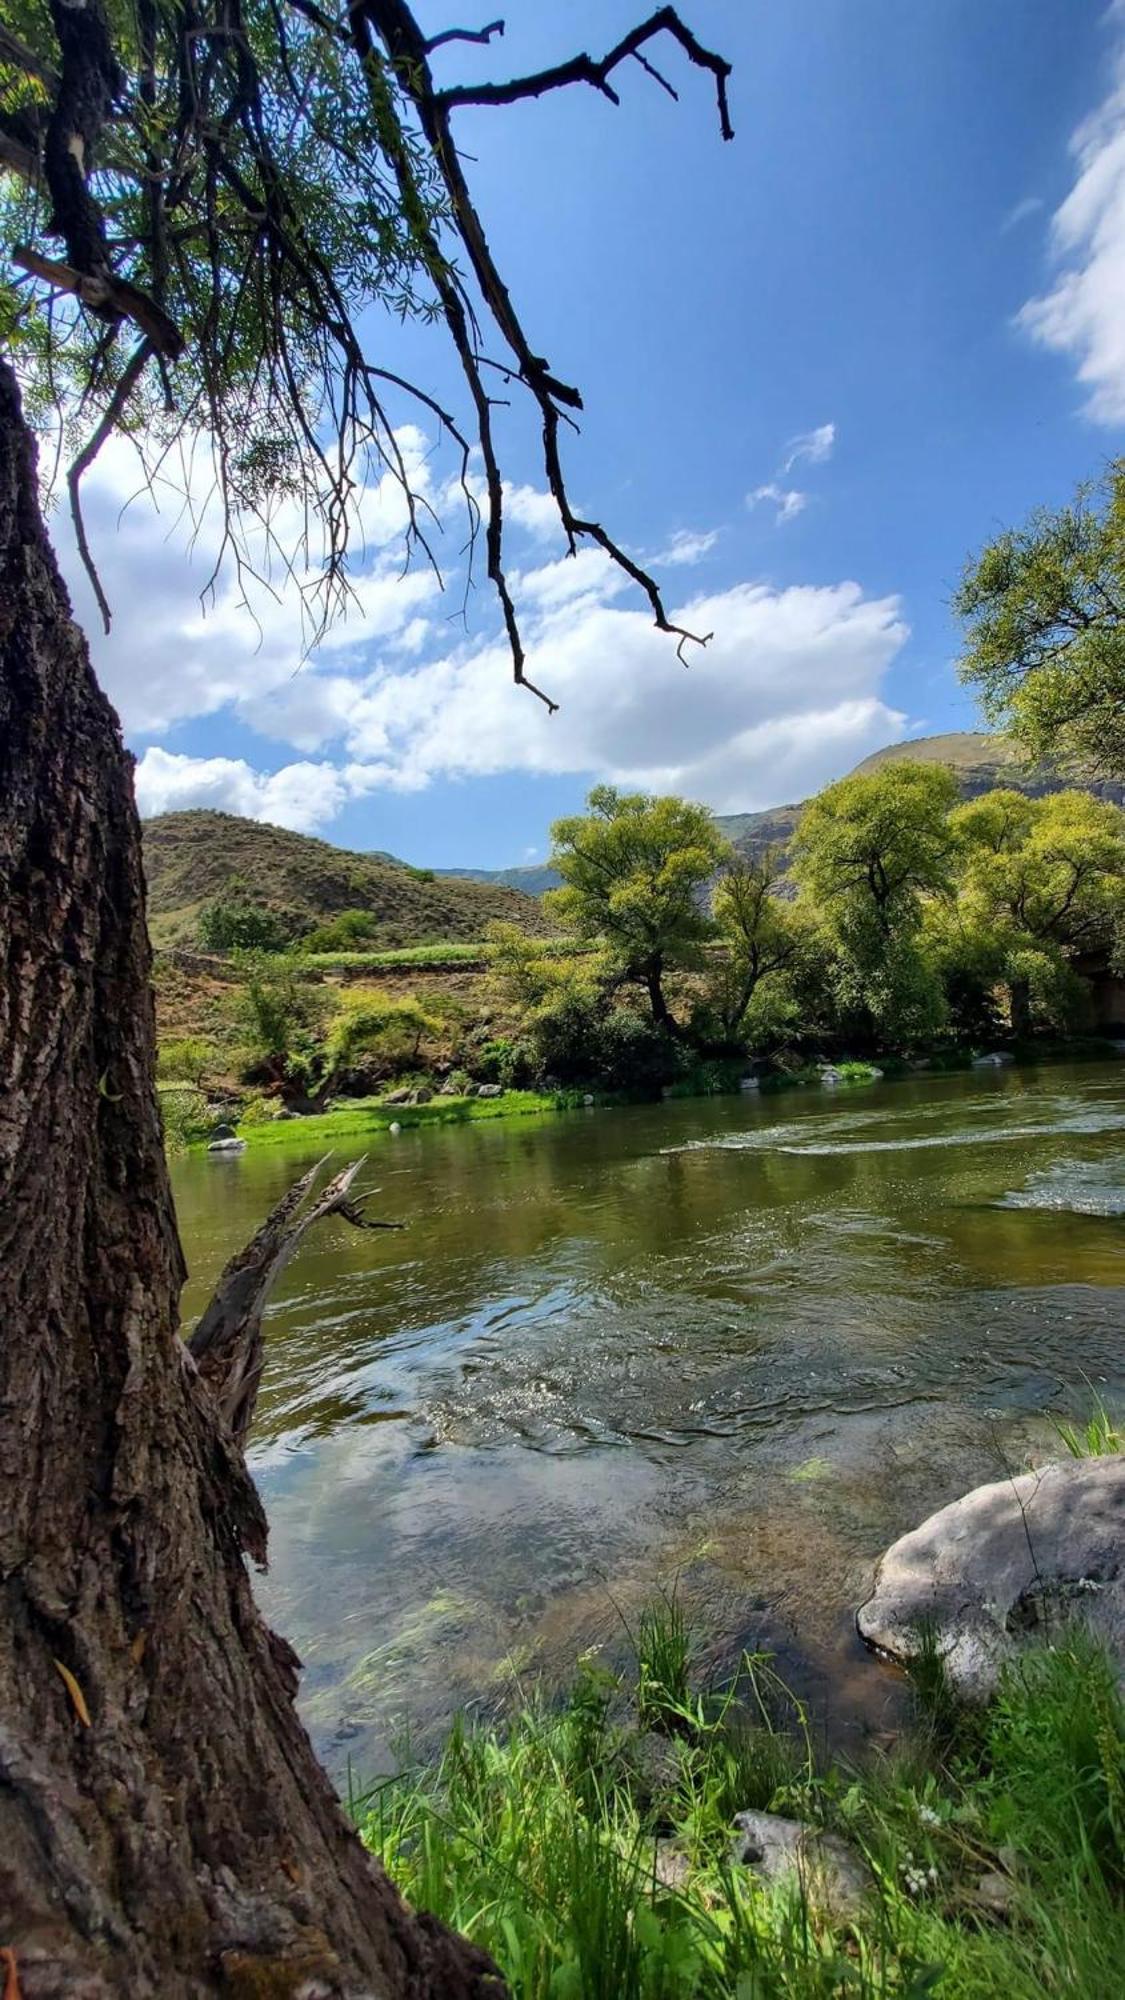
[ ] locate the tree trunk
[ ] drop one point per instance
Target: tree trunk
(164, 1826)
(654, 983)
(1019, 1007)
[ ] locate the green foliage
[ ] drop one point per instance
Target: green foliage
(186, 1059)
(1044, 610)
(281, 1017)
(1099, 1436)
(869, 852)
(1041, 881)
(183, 1115)
(664, 1653)
(761, 935)
(378, 1036)
(236, 925)
(540, 1839)
(342, 933)
(634, 869)
(874, 845)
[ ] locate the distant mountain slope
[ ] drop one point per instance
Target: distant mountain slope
(980, 761)
(530, 881)
(192, 857)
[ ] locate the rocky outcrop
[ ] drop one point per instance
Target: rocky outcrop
(1008, 1563)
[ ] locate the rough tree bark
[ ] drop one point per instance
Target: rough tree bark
(164, 1825)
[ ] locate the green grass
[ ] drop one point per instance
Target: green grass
(364, 1115)
(472, 955)
(1098, 1437)
(540, 1840)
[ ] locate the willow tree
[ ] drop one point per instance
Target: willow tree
(202, 199)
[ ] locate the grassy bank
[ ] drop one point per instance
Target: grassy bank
(590, 1849)
(364, 1115)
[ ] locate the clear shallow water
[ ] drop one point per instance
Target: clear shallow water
(741, 1342)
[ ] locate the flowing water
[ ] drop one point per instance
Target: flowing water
(731, 1345)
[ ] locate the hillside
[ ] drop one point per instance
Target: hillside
(193, 857)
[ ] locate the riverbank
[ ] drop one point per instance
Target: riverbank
(359, 1116)
(662, 1840)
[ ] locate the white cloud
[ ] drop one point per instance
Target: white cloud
(785, 696)
(814, 446)
(300, 796)
(1021, 211)
(686, 546)
(788, 502)
(1083, 313)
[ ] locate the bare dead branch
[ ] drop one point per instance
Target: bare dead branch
(227, 1345)
(584, 69)
(481, 35)
(111, 416)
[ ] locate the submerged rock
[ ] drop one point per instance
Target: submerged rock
(1006, 1564)
(830, 1874)
(995, 1059)
(231, 1145)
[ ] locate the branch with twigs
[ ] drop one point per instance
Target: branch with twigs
(223, 248)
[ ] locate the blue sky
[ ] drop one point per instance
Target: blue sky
(820, 365)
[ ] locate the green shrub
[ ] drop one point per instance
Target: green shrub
(341, 933)
(187, 1059)
(183, 1114)
(241, 926)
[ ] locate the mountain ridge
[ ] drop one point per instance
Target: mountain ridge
(195, 856)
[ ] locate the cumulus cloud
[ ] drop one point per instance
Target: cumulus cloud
(784, 696)
(178, 649)
(300, 796)
(1083, 313)
(787, 694)
(686, 546)
(787, 500)
(811, 446)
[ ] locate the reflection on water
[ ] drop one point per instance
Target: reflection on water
(741, 1342)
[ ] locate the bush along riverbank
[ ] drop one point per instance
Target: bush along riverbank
(655, 1839)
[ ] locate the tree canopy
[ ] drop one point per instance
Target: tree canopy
(634, 872)
(1044, 611)
(232, 184)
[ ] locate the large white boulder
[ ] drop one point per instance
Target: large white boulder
(1007, 1563)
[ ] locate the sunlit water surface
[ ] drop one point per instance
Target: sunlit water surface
(742, 1343)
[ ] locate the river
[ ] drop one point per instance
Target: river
(730, 1346)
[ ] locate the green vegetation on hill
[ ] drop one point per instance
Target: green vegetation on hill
(194, 858)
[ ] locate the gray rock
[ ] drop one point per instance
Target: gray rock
(227, 1146)
(223, 1131)
(490, 1090)
(833, 1877)
(830, 1076)
(398, 1096)
(749, 1083)
(996, 1892)
(1006, 1564)
(422, 1095)
(396, 1128)
(995, 1059)
(671, 1866)
(588, 1099)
